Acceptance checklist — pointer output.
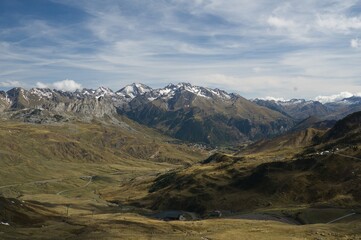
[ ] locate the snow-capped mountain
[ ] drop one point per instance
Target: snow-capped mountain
(295, 108)
(324, 107)
(295, 101)
(351, 100)
(103, 91)
(171, 90)
(200, 114)
(184, 111)
(133, 90)
(337, 98)
(42, 92)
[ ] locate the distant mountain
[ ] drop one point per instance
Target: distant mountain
(199, 114)
(344, 107)
(300, 109)
(296, 108)
(184, 111)
(187, 112)
(133, 90)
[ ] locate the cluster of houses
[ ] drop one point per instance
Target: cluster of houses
(327, 152)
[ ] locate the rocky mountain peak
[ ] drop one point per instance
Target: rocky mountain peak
(42, 92)
(103, 91)
(133, 90)
(171, 90)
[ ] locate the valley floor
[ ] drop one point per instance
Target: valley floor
(80, 212)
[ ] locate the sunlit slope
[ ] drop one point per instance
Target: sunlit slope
(31, 151)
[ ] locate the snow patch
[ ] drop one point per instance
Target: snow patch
(170, 90)
(103, 91)
(5, 223)
(42, 92)
(294, 102)
(276, 99)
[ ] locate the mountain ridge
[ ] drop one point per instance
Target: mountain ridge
(184, 111)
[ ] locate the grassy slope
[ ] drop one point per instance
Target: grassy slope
(115, 224)
(67, 151)
(125, 173)
(240, 184)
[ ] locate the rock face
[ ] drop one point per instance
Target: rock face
(4, 101)
(21, 103)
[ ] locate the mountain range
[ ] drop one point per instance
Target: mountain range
(186, 112)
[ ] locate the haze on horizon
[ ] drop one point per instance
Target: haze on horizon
(283, 49)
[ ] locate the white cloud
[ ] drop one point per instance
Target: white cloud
(41, 85)
(65, 85)
(247, 86)
(355, 43)
(336, 97)
(11, 83)
(280, 22)
(339, 23)
(293, 28)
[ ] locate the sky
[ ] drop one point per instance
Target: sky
(259, 48)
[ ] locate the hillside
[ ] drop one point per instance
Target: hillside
(250, 182)
(32, 152)
(346, 130)
(233, 184)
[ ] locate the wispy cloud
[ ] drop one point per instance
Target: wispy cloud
(251, 47)
(11, 83)
(339, 23)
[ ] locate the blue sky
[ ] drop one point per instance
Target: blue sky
(256, 48)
